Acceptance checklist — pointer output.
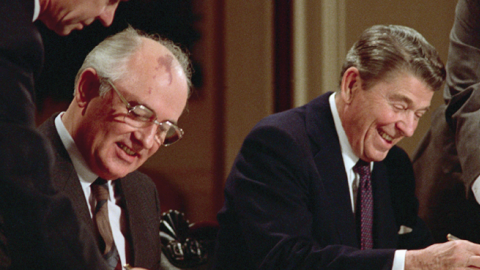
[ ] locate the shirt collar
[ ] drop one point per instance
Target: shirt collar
(349, 157)
(36, 9)
(85, 175)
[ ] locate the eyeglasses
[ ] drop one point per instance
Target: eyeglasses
(139, 116)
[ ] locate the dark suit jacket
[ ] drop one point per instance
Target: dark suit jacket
(140, 201)
(287, 203)
(33, 216)
(447, 161)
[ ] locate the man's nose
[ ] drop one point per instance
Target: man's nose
(408, 124)
(146, 135)
(106, 17)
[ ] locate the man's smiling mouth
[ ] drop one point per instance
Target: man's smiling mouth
(127, 150)
(385, 136)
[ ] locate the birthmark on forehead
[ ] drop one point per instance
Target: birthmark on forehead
(165, 62)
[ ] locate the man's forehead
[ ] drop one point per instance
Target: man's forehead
(153, 59)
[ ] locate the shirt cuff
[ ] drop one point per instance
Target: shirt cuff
(399, 259)
(476, 189)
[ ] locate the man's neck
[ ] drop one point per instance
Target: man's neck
(43, 6)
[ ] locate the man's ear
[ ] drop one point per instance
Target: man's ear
(351, 82)
(87, 87)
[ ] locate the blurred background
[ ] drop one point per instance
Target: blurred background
(251, 58)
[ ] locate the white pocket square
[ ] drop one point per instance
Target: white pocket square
(404, 230)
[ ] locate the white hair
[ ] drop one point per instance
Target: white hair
(110, 57)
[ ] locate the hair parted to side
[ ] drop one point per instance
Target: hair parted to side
(110, 57)
(383, 50)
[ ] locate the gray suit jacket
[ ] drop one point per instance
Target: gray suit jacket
(140, 199)
(447, 160)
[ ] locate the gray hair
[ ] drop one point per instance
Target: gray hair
(110, 57)
(382, 50)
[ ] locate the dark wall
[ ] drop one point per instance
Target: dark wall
(64, 55)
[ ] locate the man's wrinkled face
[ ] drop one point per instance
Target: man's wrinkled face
(64, 16)
(378, 118)
(112, 148)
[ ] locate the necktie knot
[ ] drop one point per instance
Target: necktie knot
(362, 168)
(100, 192)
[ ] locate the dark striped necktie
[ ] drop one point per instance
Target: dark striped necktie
(101, 220)
(365, 199)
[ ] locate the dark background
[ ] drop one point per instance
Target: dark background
(172, 19)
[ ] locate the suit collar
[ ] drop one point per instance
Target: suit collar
(64, 176)
(36, 9)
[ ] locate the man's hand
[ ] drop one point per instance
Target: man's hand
(459, 254)
(128, 267)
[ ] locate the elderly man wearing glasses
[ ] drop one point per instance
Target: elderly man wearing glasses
(129, 95)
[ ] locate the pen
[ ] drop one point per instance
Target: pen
(127, 267)
(451, 237)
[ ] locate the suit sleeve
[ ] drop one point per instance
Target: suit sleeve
(462, 89)
(267, 213)
(21, 58)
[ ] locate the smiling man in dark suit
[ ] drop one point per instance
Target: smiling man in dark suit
(33, 216)
(323, 186)
(129, 94)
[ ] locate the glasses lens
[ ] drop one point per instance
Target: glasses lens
(169, 133)
(142, 113)
(139, 116)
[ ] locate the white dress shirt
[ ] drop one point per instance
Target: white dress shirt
(116, 214)
(349, 161)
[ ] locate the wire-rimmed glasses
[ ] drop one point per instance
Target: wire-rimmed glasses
(139, 116)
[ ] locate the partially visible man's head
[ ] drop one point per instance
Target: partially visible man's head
(388, 80)
(64, 16)
(126, 75)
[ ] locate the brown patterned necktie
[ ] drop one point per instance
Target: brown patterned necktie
(366, 204)
(106, 243)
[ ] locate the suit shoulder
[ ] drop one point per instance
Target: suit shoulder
(140, 179)
(395, 155)
(139, 176)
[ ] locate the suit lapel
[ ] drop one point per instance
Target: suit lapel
(385, 228)
(64, 176)
(143, 221)
(134, 211)
(329, 162)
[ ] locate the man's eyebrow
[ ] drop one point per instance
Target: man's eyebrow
(399, 97)
(403, 98)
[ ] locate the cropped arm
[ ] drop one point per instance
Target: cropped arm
(462, 90)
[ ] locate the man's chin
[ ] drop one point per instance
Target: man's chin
(376, 156)
(66, 30)
(62, 32)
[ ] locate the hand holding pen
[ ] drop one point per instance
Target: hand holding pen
(453, 254)
(451, 237)
(128, 267)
